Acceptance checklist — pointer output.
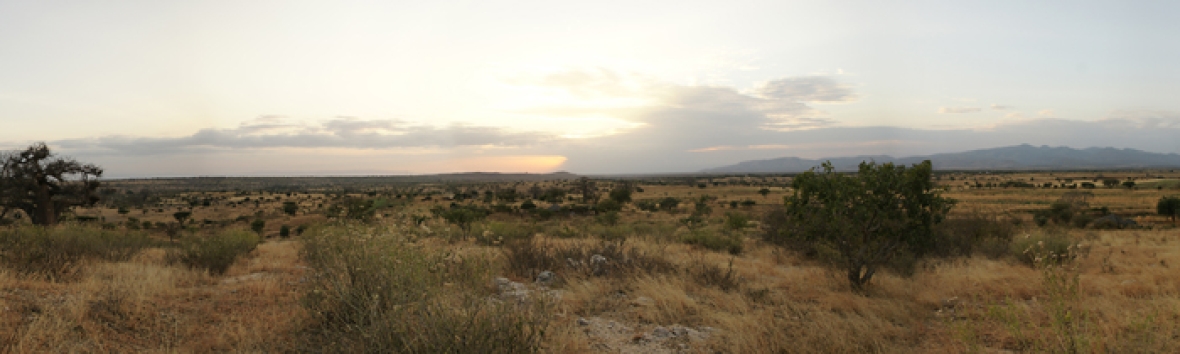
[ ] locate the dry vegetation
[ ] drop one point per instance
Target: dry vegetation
(406, 281)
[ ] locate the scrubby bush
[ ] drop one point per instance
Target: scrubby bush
(497, 233)
(974, 233)
(374, 291)
(715, 241)
(608, 205)
(528, 258)
(736, 221)
(216, 252)
(56, 252)
(1047, 245)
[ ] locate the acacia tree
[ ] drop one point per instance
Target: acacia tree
(1168, 207)
(588, 189)
(860, 222)
(43, 185)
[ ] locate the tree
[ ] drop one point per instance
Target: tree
(290, 208)
(764, 192)
(860, 222)
(588, 189)
(621, 193)
(1110, 182)
(1168, 207)
(181, 216)
(257, 226)
(43, 185)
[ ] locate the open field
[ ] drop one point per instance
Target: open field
(404, 279)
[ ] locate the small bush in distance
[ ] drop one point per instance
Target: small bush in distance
(215, 252)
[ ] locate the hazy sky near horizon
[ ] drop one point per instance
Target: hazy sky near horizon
(183, 88)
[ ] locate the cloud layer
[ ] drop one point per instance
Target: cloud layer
(339, 132)
(672, 128)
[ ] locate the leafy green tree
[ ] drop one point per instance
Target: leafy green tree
(860, 222)
(1168, 207)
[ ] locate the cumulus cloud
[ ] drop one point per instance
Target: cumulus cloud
(945, 110)
(1046, 113)
(340, 132)
(999, 107)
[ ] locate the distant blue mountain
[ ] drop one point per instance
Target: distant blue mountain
(1019, 157)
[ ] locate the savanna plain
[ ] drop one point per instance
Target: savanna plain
(1022, 262)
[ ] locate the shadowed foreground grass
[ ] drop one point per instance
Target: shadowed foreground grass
(395, 287)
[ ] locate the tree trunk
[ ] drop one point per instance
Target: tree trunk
(44, 215)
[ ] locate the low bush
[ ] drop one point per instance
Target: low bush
(709, 274)
(497, 233)
(57, 251)
(216, 252)
(712, 240)
(374, 291)
(974, 233)
(1045, 246)
(527, 259)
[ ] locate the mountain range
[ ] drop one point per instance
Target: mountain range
(1018, 157)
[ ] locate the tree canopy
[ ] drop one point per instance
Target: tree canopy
(44, 185)
(859, 222)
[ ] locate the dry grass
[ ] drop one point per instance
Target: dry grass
(764, 300)
(146, 305)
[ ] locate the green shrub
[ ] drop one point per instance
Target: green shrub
(711, 240)
(374, 291)
(608, 205)
(736, 221)
(57, 251)
(496, 233)
(215, 252)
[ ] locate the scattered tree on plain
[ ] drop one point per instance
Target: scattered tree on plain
(44, 185)
(861, 222)
(1168, 207)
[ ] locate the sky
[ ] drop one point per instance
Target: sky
(276, 88)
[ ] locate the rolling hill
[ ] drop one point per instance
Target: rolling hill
(1019, 157)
